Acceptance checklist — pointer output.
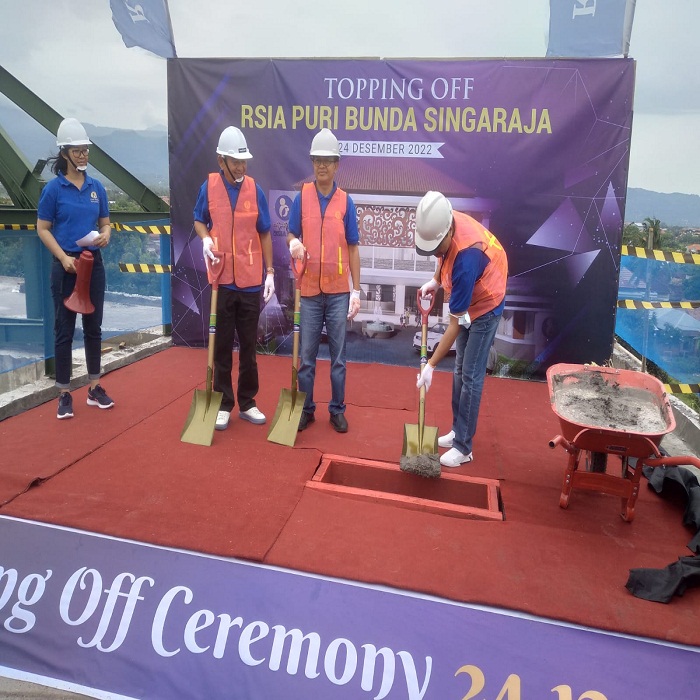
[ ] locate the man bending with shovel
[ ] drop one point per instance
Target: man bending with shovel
(231, 217)
(473, 271)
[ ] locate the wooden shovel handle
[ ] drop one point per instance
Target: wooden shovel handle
(298, 267)
(424, 313)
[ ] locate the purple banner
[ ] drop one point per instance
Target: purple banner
(113, 616)
(535, 149)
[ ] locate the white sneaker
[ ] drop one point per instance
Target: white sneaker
(254, 415)
(446, 440)
(454, 458)
(222, 418)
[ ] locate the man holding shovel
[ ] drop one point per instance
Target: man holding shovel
(473, 272)
(231, 216)
(323, 225)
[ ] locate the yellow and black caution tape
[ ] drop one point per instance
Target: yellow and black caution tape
(682, 388)
(144, 267)
(661, 255)
(636, 304)
(154, 230)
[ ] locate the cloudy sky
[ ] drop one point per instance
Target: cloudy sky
(70, 54)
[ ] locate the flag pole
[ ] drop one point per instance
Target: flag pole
(170, 26)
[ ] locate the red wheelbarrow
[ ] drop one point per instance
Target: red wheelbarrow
(604, 411)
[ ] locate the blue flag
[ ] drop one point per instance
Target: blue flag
(145, 23)
(590, 27)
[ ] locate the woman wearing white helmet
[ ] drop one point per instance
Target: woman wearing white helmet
(71, 206)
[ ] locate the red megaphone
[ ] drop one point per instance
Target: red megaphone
(79, 301)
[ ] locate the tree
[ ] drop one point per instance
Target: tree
(652, 232)
(633, 236)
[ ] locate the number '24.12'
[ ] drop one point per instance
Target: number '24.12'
(511, 688)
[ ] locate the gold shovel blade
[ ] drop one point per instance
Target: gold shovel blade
(285, 422)
(201, 420)
(412, 443)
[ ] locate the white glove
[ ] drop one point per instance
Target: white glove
(296, 249)
(465, 320)
(425, 377)
(354, 306)
(269, 287)
(207, 245)
(429, 288)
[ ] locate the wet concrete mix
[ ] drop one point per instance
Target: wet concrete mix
(587, 398)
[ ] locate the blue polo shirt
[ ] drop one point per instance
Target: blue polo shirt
(72, 212)
(352, 235)
(468, 267)
(262, 225)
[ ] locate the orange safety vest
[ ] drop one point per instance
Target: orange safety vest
(234, 232)
(328, 266)
(490, 288)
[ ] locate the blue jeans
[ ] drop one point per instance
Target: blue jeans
(473, 345)
(333, 309)
(62, 285)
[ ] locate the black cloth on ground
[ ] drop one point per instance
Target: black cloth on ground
(660, 585)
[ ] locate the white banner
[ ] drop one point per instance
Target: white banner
(392, 149)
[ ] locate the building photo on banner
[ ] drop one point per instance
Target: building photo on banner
(143, 561)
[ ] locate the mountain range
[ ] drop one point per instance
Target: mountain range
(145, 154)
(670, 209)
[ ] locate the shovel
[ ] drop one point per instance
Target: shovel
(420, 443)
(285, 422)
(201, 420)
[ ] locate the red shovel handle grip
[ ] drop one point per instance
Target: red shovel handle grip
(215, 271)
(299, 271)
(424, 313)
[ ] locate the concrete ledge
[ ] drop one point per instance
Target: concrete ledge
(43, 389)
(687, 425)
(685, 439)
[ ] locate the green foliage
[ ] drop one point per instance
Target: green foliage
(131, 247)
(11, 258)
(691, 284)
(633, 236)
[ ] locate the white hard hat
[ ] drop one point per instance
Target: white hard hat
(71, 133)
(232, 143)
(325, 144)
(433, 221)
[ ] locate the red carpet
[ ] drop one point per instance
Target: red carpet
(125, 472)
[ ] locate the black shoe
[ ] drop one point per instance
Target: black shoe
(65, 406)
(98, 397)
(306, 419)
(339, 423)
